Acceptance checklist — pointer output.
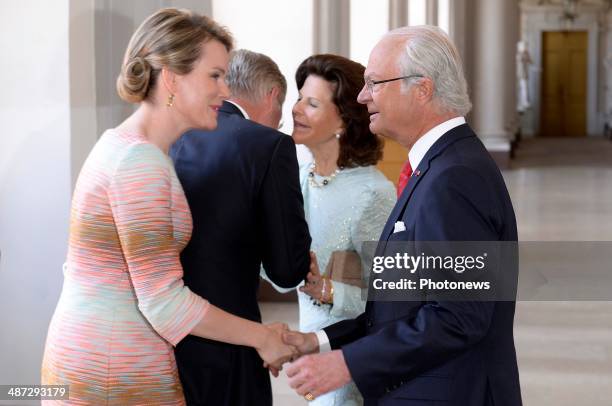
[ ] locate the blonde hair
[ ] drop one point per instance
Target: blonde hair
(170, 37)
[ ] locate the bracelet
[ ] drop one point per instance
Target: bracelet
(323, 289)
(330, 299)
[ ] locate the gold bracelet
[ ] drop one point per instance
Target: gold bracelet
(323, 290)
(330, 299)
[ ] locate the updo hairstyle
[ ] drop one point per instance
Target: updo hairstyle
(172, 38)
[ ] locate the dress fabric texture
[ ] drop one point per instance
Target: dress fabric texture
(123, 304)
(351, 209)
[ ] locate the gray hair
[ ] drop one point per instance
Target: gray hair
(428, 51)
(251, 75)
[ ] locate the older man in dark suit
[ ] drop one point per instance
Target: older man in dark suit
(431, 351)
(242, 184)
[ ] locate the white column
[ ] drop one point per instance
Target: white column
(493, 73)
(432, 12)
(398, 13)
(82, 61)
(332, 27)
(457, 25)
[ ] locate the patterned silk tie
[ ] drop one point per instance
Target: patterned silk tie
(404, 177)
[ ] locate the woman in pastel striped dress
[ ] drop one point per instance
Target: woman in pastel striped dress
(123, 304)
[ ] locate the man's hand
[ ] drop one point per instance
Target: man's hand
(273, 349)
(305, 343)
(318, 374)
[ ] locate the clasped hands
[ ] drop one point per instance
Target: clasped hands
(310, 373)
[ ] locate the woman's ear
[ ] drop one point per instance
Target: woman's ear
(341, 129)
(168, 79)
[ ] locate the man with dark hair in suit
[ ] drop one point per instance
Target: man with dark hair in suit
(428, 351)
(242, 184)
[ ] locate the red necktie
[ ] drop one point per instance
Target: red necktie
(404, 177)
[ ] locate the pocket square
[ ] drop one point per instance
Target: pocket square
(399, 226)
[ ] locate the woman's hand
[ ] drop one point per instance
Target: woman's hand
(316, 286)
(273, 350)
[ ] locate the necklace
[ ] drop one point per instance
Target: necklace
(311, 176)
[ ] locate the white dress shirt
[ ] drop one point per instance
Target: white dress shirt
(420, 148)
(243, 111)
(415, 155)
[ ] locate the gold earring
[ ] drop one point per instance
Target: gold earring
(170, 101)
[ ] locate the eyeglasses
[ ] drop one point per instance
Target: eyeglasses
(370, 83)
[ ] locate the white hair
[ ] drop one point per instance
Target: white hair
(251, 75)
(429, 52)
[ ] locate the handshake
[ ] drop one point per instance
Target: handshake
(310, 373)
(283, 345)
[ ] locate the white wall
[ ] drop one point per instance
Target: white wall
(34, 178)
(278, 28)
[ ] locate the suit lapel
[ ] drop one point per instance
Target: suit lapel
(436, 149)
(400, 206)
(457, 133)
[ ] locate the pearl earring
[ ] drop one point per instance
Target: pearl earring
(337, 135)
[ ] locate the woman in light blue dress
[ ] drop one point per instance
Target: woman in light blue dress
(346, 199)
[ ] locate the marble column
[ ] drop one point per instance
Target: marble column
(492, 73)
(331, 19)
(432, 12)
(398, 13)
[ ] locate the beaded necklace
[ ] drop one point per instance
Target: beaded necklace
(311, 176)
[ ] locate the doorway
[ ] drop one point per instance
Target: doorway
(564, 84)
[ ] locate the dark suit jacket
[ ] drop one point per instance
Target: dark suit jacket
(446, 353)
(242, 184)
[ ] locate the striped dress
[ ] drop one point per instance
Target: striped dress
(123, 304)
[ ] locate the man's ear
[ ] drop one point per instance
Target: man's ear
(168, 80)
(425, 89)
(272, 96)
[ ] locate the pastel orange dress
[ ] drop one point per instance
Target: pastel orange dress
(123, 304)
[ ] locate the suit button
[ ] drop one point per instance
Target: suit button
(369, 323)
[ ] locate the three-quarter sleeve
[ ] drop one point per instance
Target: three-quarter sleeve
(140, 195)
(375, 205)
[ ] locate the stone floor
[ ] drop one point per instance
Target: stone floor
(562, 191)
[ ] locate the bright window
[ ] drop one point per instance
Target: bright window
(369, 22)
(417, 12)
(278, 28)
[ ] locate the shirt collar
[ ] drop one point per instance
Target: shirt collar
(420, 148)
(239, 107)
